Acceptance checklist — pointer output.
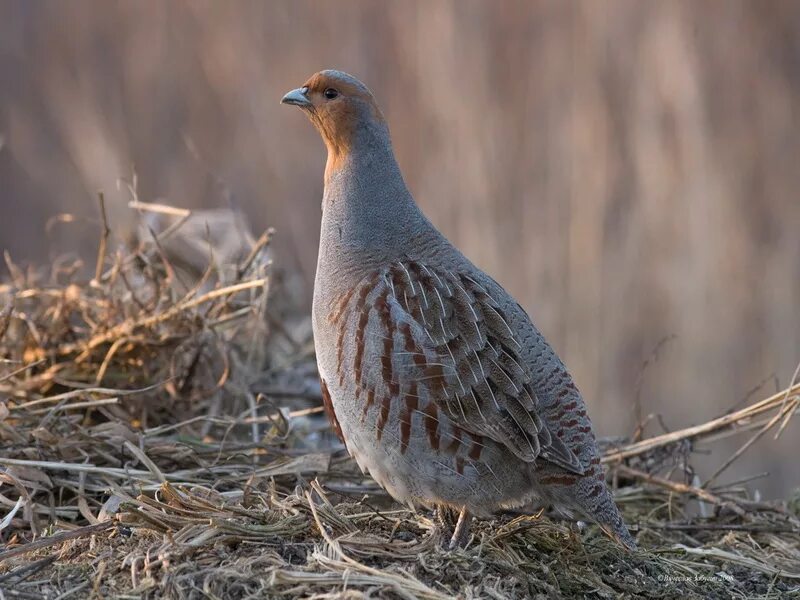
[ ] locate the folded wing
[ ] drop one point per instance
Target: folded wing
(438, 338)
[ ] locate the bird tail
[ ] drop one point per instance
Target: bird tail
(594, 499)
(619, 532)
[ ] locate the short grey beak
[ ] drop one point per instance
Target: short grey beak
(297, 97)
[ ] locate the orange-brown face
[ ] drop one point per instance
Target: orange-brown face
(337, 104)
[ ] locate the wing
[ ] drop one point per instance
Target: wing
(440, 337)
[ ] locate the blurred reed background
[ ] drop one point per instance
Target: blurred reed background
(628, 170)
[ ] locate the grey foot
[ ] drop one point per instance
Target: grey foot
(461, 531)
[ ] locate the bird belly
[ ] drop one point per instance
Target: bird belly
(419, 464)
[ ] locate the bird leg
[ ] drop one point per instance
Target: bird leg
(461, 532)
(440, 518)
(443, 517)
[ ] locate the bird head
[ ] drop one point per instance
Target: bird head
(340, 107)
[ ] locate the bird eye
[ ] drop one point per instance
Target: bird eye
(330, 93)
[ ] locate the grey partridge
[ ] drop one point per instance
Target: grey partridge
(434, 376)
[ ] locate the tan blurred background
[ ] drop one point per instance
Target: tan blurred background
(629, 170)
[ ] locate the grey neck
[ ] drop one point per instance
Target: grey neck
(367, 209)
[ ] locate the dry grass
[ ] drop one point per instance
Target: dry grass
(159, 439)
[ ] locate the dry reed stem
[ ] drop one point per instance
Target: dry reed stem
(729, 420)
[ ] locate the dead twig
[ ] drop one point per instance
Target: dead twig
(680, 488)
(689, 433)
(56, 539)
(105, 232)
